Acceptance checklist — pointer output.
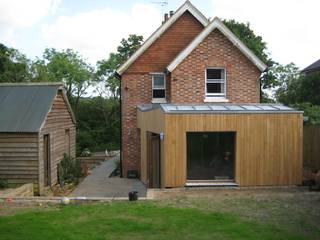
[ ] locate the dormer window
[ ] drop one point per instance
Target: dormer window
(216, 83)
(158, 88)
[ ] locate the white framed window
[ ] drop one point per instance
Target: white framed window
(216, 83)
(158, 87)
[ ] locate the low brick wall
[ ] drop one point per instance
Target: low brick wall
(92, 161)
(25, 190)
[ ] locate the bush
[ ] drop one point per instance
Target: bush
(69, 170)
(3, 183)
(311, 111)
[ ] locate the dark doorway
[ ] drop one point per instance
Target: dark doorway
(210, 156)
(46, 158)
(153, 160)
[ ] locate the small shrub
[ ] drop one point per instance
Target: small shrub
(3, 183)
(69, 170)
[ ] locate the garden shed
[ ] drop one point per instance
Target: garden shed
(220, 145)
(37, 127)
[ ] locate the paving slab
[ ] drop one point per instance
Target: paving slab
(99, 184)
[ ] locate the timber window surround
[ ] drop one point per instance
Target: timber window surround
(215, 84)
(158, 87)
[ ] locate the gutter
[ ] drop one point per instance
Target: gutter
(118, 76)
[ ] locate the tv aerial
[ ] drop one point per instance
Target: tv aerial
(163, 4)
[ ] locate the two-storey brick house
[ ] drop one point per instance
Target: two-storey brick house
(191, 112)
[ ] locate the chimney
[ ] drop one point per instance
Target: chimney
(166, 17)
(171, 13)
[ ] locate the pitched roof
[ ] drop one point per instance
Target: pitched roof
(24, 107)
(313, 67)
(217, 24)
(187, 6)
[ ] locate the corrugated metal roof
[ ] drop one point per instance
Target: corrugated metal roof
(219, 108)
(23, 108)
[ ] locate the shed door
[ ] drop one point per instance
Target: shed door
(46, 159)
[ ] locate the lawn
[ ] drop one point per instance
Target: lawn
(135, 220)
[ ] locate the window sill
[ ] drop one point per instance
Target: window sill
(159, 100)
(215, 99)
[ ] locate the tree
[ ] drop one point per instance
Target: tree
(106, 68)
(296, 88)
(309, 88)
(14, 66)
(259, 48)
(66, 66)
(288, 80)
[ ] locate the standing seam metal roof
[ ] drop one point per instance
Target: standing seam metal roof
(23, 108)
(219, 108)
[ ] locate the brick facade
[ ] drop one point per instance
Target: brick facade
(137, 82)
(242, 76)
(186, 84)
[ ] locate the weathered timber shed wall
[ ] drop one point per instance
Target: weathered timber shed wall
(268, 144)
(60, 126)
(28, 112)
(19, 157)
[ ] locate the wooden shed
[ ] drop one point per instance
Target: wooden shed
(37, 127)
(220, 144)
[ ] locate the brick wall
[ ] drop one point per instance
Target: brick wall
(188, 79)
(137, 82)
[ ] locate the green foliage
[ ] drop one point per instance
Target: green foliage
(14, 66)
(64, 66)
(287, 82)
(309, 90)
(296, 88)
(249, 38)
(69, 170)
(101, 131)
(3, 183)
(106, 68)
(310, 110)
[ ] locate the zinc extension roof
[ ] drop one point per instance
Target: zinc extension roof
(219, 108)
(23, 108)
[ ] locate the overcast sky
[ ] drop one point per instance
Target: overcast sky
(95, 27)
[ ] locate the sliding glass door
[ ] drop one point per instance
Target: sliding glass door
(210, 155)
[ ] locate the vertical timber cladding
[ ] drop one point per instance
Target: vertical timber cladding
(150, 121)
(268, 146)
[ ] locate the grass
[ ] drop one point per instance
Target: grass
(140, 220)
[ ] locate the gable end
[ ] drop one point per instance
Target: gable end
(217, 24)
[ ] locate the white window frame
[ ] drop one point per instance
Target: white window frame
(216, 97)
(159, 100)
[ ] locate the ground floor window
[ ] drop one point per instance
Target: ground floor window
(210, 155)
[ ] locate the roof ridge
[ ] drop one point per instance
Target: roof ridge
(186, 6)
(32, 84)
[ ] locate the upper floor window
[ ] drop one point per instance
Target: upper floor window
(158, 87)
(216, 82)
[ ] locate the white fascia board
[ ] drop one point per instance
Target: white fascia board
(187, 6)
(216, 23)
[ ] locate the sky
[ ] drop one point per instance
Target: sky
(95, 28)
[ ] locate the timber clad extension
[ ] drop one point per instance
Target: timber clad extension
(245, 143)
(29, 113)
